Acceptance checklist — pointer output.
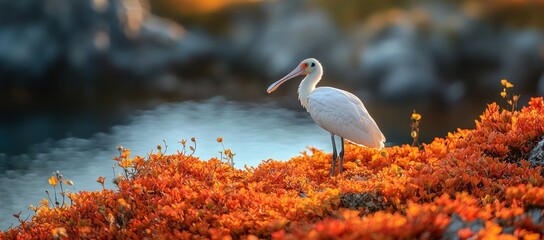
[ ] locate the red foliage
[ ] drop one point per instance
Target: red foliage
(477, 175)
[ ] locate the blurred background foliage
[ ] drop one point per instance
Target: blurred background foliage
(98, 58)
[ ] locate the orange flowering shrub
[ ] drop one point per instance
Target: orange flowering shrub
(474, 183)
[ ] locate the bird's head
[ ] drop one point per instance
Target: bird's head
(307, 66)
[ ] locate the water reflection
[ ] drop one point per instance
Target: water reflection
(254, 132)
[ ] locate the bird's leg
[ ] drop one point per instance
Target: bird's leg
(333, 154)
(341, 155)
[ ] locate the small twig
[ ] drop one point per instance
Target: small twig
(416, 118)
(59, 177)
(49, 196)
(193, 148)
(183, 143)
(165, 146)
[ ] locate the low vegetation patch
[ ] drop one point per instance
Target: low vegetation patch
(471, 184)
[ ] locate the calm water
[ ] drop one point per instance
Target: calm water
(253, 132)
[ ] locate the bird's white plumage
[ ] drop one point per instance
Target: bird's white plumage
(343, 114)
(337, 111)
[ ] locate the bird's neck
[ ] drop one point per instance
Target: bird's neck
(308, 85)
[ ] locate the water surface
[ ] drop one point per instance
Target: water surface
(254, 132)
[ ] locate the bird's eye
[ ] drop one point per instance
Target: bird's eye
(313, 65)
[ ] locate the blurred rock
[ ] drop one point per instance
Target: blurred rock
(288, 32)
(90, 47)
(403, 69)
(521, 60)
(404, 56)
(536, 157)
(367, 202)
(540, 87)
(398, 56)
(458, 223)
(437, 52)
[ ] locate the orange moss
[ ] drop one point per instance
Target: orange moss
(475, 176)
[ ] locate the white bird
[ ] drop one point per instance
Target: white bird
(337, 111)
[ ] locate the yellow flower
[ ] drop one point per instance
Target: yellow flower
(101, 180)
(53, 181)
(126, 163)
(416, 116)
(59, 232)
(110, 218)
(531, 236)
(229, 153)
(506, 83)
(123, 203)
(126, 153)
(503, 93)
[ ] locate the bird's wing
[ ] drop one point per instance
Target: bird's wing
(343, 114)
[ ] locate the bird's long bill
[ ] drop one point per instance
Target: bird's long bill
(296, 72)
